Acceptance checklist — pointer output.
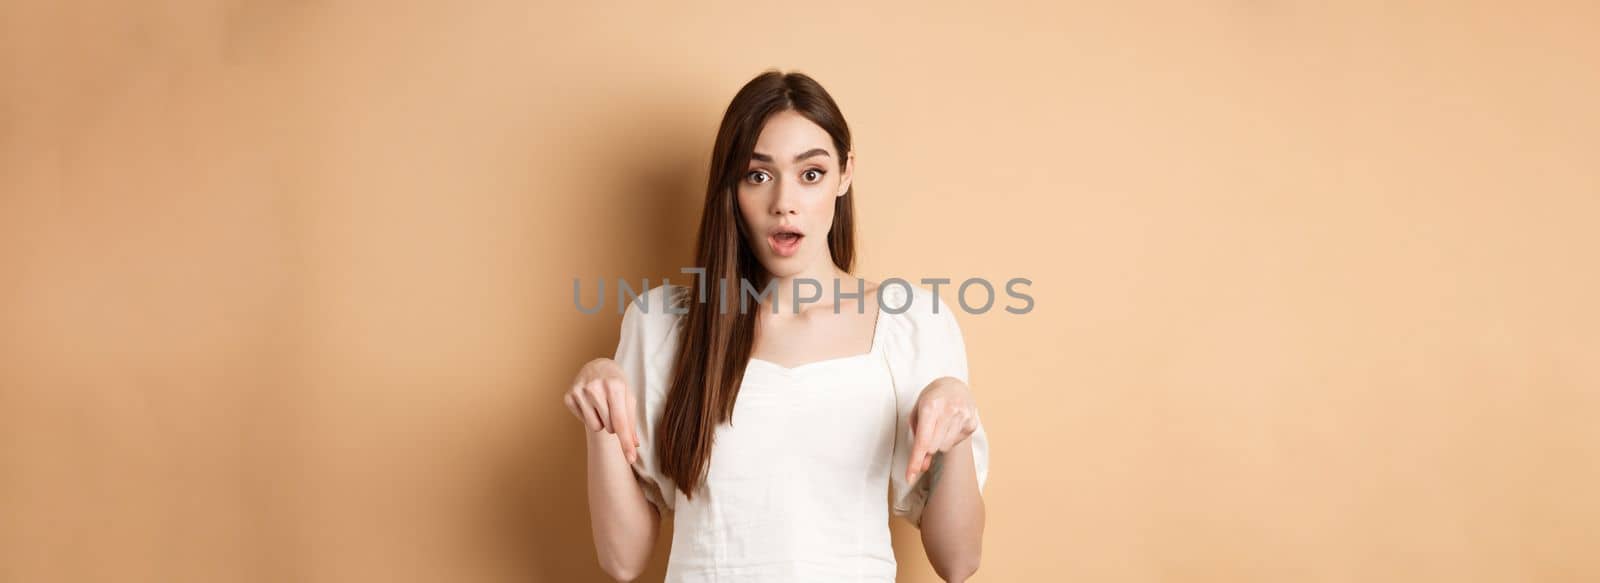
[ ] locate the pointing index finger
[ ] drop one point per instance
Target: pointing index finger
(629, 435)
(622, 417)
(927, 420)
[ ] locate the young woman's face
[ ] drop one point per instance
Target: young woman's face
(786, 196)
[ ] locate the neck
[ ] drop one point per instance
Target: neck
(823, 273)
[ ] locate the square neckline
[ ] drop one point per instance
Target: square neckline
(877, 328)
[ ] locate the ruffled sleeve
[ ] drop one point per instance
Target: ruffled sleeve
(922, 344)
(645, 349)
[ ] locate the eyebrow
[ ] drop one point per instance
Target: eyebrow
(807, 154)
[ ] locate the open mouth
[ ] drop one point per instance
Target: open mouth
(785, 241)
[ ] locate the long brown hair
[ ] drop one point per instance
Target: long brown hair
(714, 345)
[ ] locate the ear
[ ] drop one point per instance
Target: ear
(845, 173)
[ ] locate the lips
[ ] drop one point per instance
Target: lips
(785, 240)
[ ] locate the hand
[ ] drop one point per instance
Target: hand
(599, 397)
(944, 417)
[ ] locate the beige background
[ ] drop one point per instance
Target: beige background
(285, 287)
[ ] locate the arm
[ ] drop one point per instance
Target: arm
(952, 522)
(953, 519)
(625, 524)
(623, 521)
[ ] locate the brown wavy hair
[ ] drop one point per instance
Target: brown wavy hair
(714, 345)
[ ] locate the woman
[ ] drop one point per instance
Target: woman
(776, 435)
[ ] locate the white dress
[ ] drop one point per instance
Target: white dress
(797, 485)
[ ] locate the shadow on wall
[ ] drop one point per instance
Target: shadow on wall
(535, 513)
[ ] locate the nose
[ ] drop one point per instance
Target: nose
(783, 200)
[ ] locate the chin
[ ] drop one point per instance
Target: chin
(781, 267)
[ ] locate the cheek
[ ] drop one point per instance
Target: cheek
(749, 210)
(822, 208)
(751, 218)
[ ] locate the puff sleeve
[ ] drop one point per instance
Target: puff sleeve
(924, 344)
(645, 350)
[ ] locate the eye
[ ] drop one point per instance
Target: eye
(815, 171)
(752, 175)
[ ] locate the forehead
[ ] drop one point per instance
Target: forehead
(787, 133)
